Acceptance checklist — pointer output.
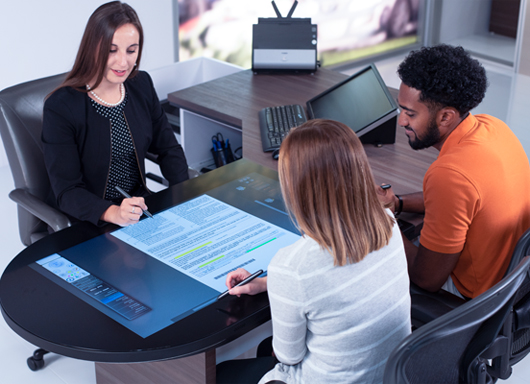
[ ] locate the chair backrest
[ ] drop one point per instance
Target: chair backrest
(519, 329)
(21, 127)
(447, 349)
(522, 248)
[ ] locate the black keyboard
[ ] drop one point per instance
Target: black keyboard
(276, 122)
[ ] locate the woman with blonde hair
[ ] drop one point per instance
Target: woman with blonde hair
(339, 296)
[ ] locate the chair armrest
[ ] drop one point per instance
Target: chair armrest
(444, 297)
(192, 173)
(152, 157)
(51, 216)
(427, 306)
(157, 179)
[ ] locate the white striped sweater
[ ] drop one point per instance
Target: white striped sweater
(337, 324)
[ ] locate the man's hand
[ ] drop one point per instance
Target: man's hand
(412, 202)
(387, 198)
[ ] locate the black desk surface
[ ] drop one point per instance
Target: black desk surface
(54, 319)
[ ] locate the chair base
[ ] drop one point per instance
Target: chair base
(36, 361)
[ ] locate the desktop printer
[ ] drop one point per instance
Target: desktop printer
(284, 43)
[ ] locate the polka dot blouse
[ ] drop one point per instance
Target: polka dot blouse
(124, 170)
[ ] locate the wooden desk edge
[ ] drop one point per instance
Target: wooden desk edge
(208, 113)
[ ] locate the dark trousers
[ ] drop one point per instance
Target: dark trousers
(248, 371)
(244, 371)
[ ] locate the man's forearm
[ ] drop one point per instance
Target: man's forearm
(428, 269)
(412, 202)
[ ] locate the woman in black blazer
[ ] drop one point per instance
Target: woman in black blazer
(100, 123)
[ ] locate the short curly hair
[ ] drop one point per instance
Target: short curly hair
(446, 76)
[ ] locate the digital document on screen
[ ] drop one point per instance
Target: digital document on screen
(150, 275)
(205, 239)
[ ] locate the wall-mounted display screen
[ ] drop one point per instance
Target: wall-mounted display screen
(348, 30)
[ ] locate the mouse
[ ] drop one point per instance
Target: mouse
(276, 154)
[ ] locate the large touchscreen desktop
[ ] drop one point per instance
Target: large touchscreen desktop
(154, 273)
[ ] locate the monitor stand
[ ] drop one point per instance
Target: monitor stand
(384, 134)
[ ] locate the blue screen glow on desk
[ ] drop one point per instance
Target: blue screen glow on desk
(149, 275)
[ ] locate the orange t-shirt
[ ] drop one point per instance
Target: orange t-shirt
(477, 201)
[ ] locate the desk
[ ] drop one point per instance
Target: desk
(30, 302)
(235, 100)
(49, 316)
(231, 104)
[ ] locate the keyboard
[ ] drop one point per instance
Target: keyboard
(276, 122)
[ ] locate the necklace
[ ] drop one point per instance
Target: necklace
(122, 91)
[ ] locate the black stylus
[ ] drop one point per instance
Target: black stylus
(127, 196)
(246, 281)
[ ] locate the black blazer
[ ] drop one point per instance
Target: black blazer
(77, 145)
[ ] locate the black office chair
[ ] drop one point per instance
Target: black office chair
(427, 306)
(20, 127)
(517, 326)
(456, 347)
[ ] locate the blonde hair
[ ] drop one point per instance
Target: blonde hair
(329, 190)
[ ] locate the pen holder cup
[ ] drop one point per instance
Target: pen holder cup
(222, 156)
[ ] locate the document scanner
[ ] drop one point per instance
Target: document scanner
(284, 43)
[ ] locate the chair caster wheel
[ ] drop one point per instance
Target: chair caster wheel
(36, 361)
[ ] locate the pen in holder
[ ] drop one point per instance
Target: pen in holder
(221, 151)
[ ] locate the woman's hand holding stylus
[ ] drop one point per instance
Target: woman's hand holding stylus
(256, 286)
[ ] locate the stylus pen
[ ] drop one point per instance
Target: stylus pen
(246, 281)
(127, 196)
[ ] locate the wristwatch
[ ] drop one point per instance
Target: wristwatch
(399, 207)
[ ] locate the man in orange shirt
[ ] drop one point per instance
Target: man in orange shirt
(475, 195)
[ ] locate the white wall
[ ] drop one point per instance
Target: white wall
(463, 18)
(523, 60)
(40, 38)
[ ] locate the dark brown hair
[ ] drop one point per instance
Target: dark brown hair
(93, 52)
(329, 190)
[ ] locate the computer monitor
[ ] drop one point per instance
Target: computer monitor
(362, 102)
